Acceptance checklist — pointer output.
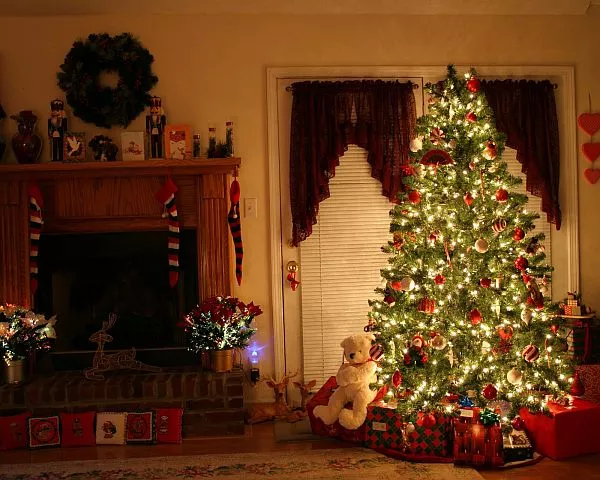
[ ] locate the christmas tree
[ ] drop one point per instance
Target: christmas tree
(465, 315)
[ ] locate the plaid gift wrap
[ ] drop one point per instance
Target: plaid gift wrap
(432, 441)
(590, 377)
(383, 427)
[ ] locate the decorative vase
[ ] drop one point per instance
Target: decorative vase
(222, 360)
(26, 144)
(15, 371)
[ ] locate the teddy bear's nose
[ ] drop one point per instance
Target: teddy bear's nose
(351, 356)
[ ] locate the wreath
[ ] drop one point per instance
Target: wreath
(103, 105)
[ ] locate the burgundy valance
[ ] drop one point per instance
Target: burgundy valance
(323, 126)
(525, 112)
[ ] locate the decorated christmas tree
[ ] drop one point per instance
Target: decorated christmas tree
(464, 314)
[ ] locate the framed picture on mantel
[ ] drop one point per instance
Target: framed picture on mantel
(178, 142)
(132, 146)
(74, 147)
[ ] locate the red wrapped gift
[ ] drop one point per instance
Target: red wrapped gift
(335, 430)
(474, 443)
(590, 377)
(569, 432)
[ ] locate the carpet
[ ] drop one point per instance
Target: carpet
(347, 463)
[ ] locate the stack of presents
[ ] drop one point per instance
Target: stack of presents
(24, 430)
(475, 436)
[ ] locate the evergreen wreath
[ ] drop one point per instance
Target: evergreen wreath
(99, 104)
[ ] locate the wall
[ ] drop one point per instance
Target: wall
(212, 68)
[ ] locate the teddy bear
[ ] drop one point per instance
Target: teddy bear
(353, 379)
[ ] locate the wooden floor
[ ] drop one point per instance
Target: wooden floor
(261, 438)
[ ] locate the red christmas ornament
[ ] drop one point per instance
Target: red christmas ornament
(424, 358)
(490, 151)
(436, 157)
(501, 195)
(429, 420)
(472, 165)
(376, 352)
(407, 359)
(531, 353)
(521, 263)
(426, 305)
(475, 316)
(473, 84)
(554, 329)
(389, 299)
(499, 225)
(452, 397)
(414, 197)
(577, 388)
(397, 285)
(518, 423)
(505, 332)
(471, 117)
(439, 279)
(468, 198)
(433, 237)
(526, 278)
(397, 378)
(485, 282)
(518, 234)
(490, 392)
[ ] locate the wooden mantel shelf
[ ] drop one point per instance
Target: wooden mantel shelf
(196, 166)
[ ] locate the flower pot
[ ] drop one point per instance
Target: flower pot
(222, 360)
(15, 371)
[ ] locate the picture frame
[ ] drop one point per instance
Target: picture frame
(74, 147)
(133, 146)
(178, 142)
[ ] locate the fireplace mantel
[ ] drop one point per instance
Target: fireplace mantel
(116, 197)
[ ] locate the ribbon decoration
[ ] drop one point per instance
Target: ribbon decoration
(36, 203)
(235, 226)
(489, 417)
(166, 196)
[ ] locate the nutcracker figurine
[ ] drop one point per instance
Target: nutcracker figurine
(155, 125)
(57, 127)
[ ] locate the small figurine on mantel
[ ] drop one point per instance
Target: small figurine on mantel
(57, 126)
(155, 125)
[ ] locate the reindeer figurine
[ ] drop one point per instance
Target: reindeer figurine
(276, 410)
(305, 391)
(103, 362)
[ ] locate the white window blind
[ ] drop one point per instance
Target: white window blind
(341, 260)
(533, 205)
(341, 263)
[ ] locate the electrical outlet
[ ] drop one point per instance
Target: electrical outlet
(250, 208)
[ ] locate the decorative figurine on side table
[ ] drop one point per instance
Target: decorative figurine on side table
(26, 144)
(57, 127)
(103, 148)
(155, 126)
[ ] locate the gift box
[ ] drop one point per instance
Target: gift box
(431, 437)
(572, 310)
(569, 431)
(334, 430)
(383, 427)
(583, 339)
(590, 377)
(474, 443)
(517, 446)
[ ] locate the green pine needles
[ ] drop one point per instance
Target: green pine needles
(465, 315)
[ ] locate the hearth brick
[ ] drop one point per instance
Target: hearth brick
(213, 403)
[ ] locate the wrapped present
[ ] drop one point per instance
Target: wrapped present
(383, 427)
(568, 432)
(590, 377)
(431, 437)
(572, 310)
(477, 438)
(335, 430)
(517, 446)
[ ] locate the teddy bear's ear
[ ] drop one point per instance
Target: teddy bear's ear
(343, 343)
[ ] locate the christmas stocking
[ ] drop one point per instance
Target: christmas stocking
(236, 228)
(36, 204)
(166, 196)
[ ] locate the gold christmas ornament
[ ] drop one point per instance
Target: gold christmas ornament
(482, 245)
(407, 284)
(514, 376)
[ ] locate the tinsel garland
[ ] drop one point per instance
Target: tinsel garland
(99, 104)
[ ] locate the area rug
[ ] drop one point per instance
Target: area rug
(297, 464)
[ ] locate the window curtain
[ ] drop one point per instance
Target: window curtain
(525, 112)
(322, 127)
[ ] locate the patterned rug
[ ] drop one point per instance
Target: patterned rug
(340, 464)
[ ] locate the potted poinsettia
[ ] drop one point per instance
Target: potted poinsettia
(22, 332)
(219, 325)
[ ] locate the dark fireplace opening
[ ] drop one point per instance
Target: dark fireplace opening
(83, 278)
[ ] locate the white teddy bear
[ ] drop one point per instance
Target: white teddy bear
(353, 379)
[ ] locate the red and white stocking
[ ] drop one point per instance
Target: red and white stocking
(166, 196)
(36, 204)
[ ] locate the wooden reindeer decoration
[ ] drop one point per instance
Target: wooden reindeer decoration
(121, 360)
(263, 412)
(305, 391)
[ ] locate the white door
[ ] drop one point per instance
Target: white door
(339, 265)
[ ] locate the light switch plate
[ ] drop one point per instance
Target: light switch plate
(250, 208)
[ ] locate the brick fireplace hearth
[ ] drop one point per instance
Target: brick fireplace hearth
(213, 403)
